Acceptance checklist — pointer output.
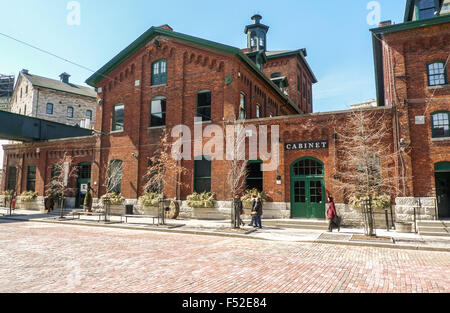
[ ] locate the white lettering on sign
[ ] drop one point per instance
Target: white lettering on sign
(307, 145)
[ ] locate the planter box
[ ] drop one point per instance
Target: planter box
(145, 210)
(208, 214)
(116, 209)
(403, 227)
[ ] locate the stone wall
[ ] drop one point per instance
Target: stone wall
(425, 208)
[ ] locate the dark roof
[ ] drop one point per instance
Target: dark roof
(53, 84)
(155, 31)
(300, 53)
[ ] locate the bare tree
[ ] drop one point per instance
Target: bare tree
(163, 169)
(367, 164)
(237, 167)
(62, 171)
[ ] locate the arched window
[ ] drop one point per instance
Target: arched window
(426, 9)
(440, 124)
(159, 72)
(202, 175)
(89, 114)
(243, 107)
(114, 176)
(118, 117)
(49, 109)
(70, 112)
(437, 74)
(307, 167)
(158, 112)
(258, 111)
(254, 175)
(204, 105)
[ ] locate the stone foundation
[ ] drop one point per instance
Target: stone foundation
(425, 208)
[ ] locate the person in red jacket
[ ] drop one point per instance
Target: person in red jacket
(332, 215)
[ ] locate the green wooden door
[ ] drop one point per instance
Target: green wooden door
(307, 189)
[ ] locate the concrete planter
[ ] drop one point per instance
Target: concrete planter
(146, 210)
(116, 209)
(36, 205)
(207, 214)
(403, 227)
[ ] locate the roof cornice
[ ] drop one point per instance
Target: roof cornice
(412, 25)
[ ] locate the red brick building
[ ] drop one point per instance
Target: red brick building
(166, 78)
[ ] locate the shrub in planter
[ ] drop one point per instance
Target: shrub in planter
(250, 194)
(113, 198)
(201, 200)
(28, 196)
(150, 199)
(379, 202)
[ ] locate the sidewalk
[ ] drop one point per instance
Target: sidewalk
(347, 236)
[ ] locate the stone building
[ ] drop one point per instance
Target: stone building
(55, 100)
(166, 78)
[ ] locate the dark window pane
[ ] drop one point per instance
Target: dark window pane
(202, 168)
(49, 108)
(204, 106)
(31, 178)
(118, 117)
(158, 112)
(12, 178)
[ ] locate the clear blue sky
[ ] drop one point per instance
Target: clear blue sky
(335, 33)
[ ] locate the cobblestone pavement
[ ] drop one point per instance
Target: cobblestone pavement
(37, 257)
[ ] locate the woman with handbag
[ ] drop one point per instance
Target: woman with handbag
(332, 216)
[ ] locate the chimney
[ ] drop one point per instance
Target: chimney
(385, 23)
(256, 18)
(64, 77)
(25, 71)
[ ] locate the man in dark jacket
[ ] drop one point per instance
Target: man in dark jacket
(257, 212)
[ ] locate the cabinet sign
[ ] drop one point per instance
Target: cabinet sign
(307, 145)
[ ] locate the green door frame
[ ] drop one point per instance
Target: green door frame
(317, 209)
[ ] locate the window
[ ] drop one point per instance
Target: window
(89, 114)
(159, 73)
(437, 74)
(308, 167)
(12, 178)
(426, 9)
(258, 111)
(115, 176)
(440, 124)
(253, 40)
(275, 75)
(70, 112)
(49, 109)
(243, 107)
(204, 105)
(158, 112)
(118, 117)
(84, 170)
(261, 41)
(254, 175)
(54, 172)
(31, 178)
(299, 84)
(202, 175)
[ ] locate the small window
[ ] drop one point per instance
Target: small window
(275, 75)
(158, 112)
(258, 111)
(159, 73)
(437, 74)
(202, 175)
(426, 9)
(89, 114)
(254, 176)
(204, 105)
(115, 176)
(49, 109)
(243, 107)
(299, 84)
(440, 124)
(31, 178)
(70, 112)
(118, 124)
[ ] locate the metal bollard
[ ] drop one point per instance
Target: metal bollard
(387, 219)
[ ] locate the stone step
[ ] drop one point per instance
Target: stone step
(439, 223)
(433, 229)
(434, 234)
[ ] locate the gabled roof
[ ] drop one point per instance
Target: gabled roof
(300, 53)
(53, 84)
(155, 31)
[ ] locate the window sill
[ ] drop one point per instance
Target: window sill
(447, 86)
(155, 86)
(440, 139)
(202, 122)
(156, 127)
(116, 132)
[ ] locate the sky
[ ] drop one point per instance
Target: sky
(335, 34)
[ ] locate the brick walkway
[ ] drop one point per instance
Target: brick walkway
(36, 257)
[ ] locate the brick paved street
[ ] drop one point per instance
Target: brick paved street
(37, 257)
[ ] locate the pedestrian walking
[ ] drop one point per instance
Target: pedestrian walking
(332, 216)
(257, 211)
(238, 211)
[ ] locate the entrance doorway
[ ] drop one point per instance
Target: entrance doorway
(84, 179)
(307, 188)
(442, 175)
